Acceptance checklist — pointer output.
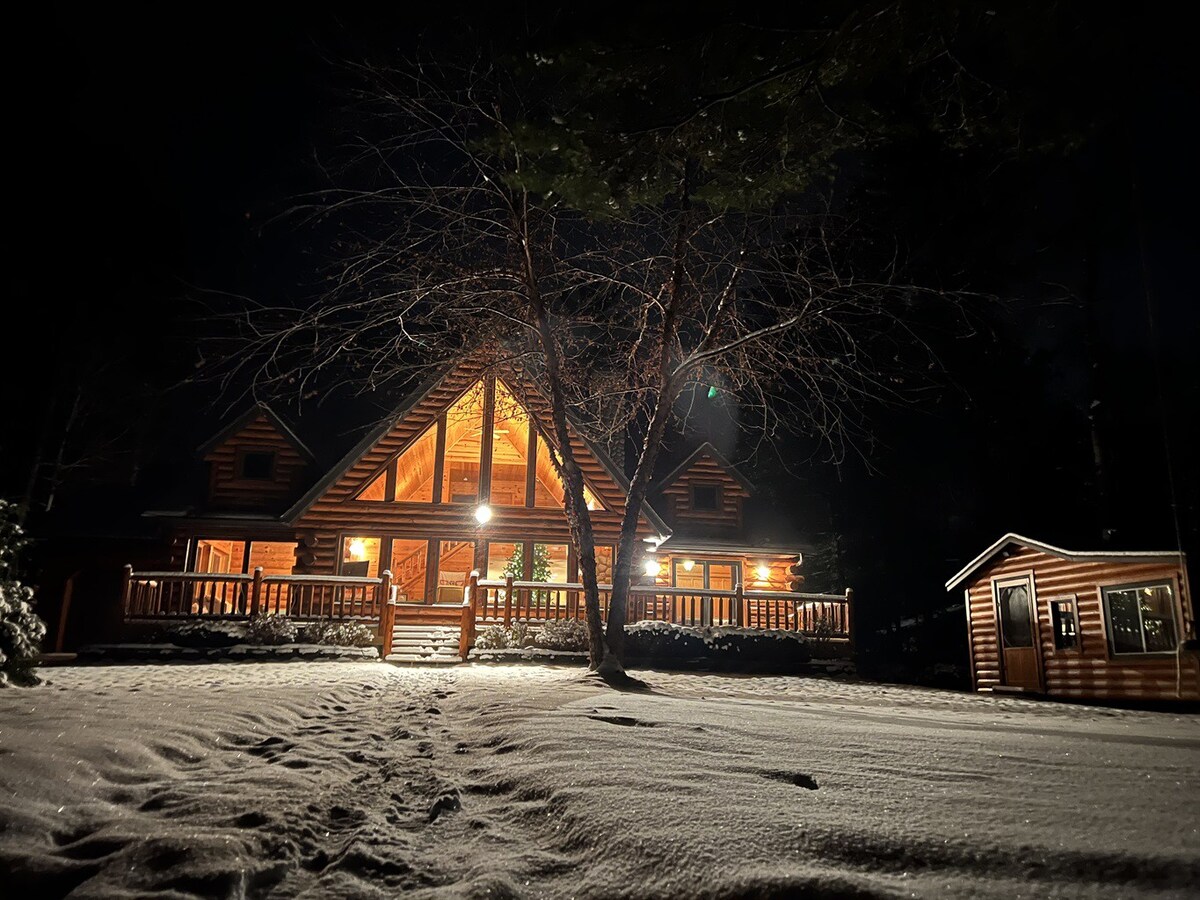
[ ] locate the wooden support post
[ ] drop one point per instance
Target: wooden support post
(508, 600)
(126, 587)
(256, 591)
(385, 589)
(739, 614)
(466, 632)
(387, 625)
(849, 623)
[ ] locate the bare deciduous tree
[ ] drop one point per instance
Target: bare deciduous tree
(615, 271)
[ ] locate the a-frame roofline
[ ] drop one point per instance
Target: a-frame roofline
(704, 449)
(1016, 540)
(337, 472)
(253, 412)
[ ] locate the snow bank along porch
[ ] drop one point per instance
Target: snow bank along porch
(1097, 625)
(448, 515)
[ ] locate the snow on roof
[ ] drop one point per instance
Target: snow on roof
(1073, 555)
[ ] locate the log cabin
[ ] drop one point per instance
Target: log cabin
(453, 501)
(1093, 625)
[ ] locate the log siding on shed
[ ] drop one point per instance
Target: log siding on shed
(1090, 670)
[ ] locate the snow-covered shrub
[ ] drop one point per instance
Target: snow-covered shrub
(21, 631)
(204, 634)
(339, 634)
(270, 630)
(563, 634)
(494, 637)
(724, 647)
(497, 637)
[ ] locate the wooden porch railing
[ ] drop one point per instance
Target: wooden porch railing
(204, 595)
(491, 602)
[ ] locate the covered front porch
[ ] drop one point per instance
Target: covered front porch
(181, 596)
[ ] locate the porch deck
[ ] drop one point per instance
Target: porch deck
(150, 596)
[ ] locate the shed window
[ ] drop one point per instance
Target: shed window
(257, 465)
(1065, 624)
(1141, 618)
(705, 497)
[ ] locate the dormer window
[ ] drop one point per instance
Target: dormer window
(706, 497)
(256, 465)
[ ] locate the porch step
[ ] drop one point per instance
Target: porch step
(436, 644)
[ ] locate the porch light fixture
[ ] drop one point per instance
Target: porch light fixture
(688, 565)
(652, 568)
(483, 514)
(763, 572)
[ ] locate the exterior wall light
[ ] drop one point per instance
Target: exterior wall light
(763, 572)
(483, 514)
(652, 568)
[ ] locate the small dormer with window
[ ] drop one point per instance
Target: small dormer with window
(704, 494)
(255, 463)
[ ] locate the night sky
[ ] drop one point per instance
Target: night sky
(148, 160)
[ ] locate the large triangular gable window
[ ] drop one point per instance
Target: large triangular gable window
(485, 430)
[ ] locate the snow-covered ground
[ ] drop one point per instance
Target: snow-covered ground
(360, 779)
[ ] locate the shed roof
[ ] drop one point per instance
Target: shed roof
(1017, 540)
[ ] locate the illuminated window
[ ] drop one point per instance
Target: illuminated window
(414, 469)
(1064, 624)
(510, 450)
(548, 487)
(1141, 618)
(360, 556)
(242, 557)
(455, 561)
(464, 430)
(376, 490)
(409, 564)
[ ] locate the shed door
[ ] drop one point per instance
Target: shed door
(1018, 633)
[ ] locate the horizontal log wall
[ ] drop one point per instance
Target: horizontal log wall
(1090, 671)
(228, 491)
(706, 471)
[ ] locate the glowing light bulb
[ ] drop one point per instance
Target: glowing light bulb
(688, 565)
(483, 514)
(358, 549)
(763, 572)
(652, 568)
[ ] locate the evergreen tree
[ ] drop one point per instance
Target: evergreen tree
(21, 631)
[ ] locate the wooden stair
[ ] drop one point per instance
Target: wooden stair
(425, 644)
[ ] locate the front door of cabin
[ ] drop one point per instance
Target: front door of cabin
(1020, 665)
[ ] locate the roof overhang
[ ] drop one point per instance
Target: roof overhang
(1016, 540)
(676, 544)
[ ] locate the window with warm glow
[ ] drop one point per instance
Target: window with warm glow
(414, 469)
(360, 556)
(510, 449)
(243, 557)
(519, 459)
(464, 445)
(409, 564)
(455, 561)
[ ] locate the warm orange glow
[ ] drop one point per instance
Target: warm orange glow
(358, 549)
(763, 572)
